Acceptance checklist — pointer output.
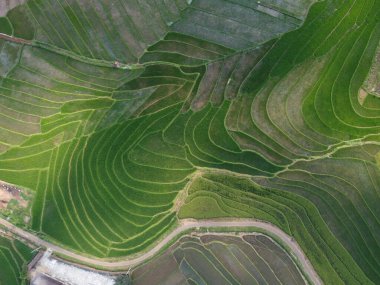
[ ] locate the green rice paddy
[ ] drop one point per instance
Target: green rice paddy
(14, 258)
(260, 98)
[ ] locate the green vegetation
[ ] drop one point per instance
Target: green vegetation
(14, 258)
(5, 26)
(220, 259)
(261, 99)
(282, 202)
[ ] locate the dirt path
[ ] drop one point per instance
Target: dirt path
(184, 226)
(15, 40)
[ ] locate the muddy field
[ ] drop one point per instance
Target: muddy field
(221, 259)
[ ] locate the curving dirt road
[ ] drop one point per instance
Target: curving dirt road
(184, 225)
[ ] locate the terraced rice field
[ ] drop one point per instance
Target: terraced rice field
(260, 100)
(220, 259)
(14, 257)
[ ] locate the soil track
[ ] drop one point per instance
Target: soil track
(15, 40)
(184, 225)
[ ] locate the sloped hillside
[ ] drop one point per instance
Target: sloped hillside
(108, 110)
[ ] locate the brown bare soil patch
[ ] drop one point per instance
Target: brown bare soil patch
(362, 95)
(9, 192)
(372, 83)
